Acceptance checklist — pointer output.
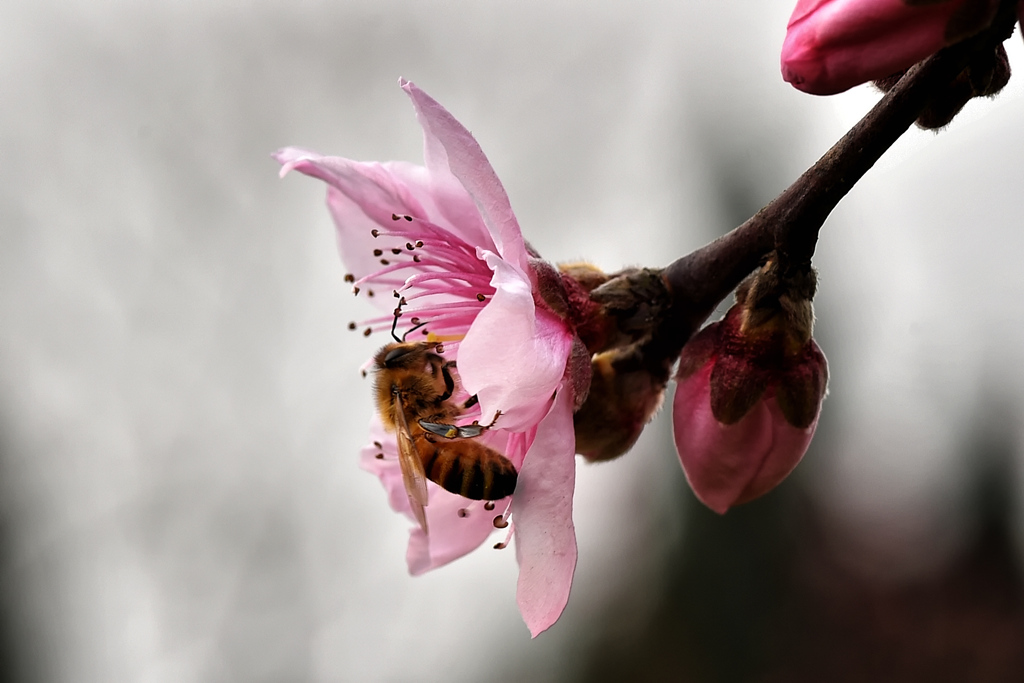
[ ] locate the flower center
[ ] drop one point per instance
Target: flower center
(440, 282)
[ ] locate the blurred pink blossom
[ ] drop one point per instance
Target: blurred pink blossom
(833, 45)
(443, 238)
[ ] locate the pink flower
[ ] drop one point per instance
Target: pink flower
(444, 239)
(833, 45)
(747, 402)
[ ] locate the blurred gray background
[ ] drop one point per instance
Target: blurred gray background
(181, 408)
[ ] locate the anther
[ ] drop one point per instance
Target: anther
(489, 505)
(415, 320)
(349, 277)
(398, 312)
(369, 292)
(419, 243)
(364, 372)
(408, 245)
(397, 295)
(416, 258)
(379, 456)
(378, 444)
(384, 262)
(480, 297)
(396, 251)
(351, 326)
(463, 512)
(500, 522)
(500, 546)
(408, 218)
(378, 252)
(439, 348)
(367, 332)
(425, 332)
(375, 232)
(355, 290)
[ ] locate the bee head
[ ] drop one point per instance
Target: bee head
(403, 355)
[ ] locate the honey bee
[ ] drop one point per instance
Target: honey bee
(413, 390)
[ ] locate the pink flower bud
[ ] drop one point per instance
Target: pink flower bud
(833, 45)
(749, 394)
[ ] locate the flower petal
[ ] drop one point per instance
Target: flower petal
(719, 460)
(789, 444)
(514, 355)
(450, 148)
(363, 196)
(451, 535)
(542, 512)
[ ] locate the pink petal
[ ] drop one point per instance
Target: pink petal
(789, 444)
(719, 460)
(448, 146)
(363, 196)
(451, 536)
(542, 512)
(833, 45)
(729, 465)
(514, 355)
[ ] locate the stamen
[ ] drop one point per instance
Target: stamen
(463, 512)
(355, 290)
(378, 444)
(369, 292)
(379, 456)
(416, 258)
(419, 243)
(481, 297)
(367, 332)
(352, 326)
(378, 252)
(349, 277)
(408, 218)
(489, 505)
(409, 246)
(385, 262)
(375, 232)
(396, 251)
(508, 537)
(394, 216)
(500, 522)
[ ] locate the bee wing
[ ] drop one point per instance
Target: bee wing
(453, 431)
(413, 476)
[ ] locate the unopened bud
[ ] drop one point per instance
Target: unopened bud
(749, 390)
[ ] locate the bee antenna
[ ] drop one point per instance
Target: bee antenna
(394, 325)
(410, 330)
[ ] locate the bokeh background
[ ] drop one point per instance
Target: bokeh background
(180, 402)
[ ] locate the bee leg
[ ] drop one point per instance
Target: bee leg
(497, 414)
(449, 384)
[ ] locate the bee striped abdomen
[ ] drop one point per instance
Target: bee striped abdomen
(469, 469)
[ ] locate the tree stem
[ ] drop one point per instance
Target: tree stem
(700, 280)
